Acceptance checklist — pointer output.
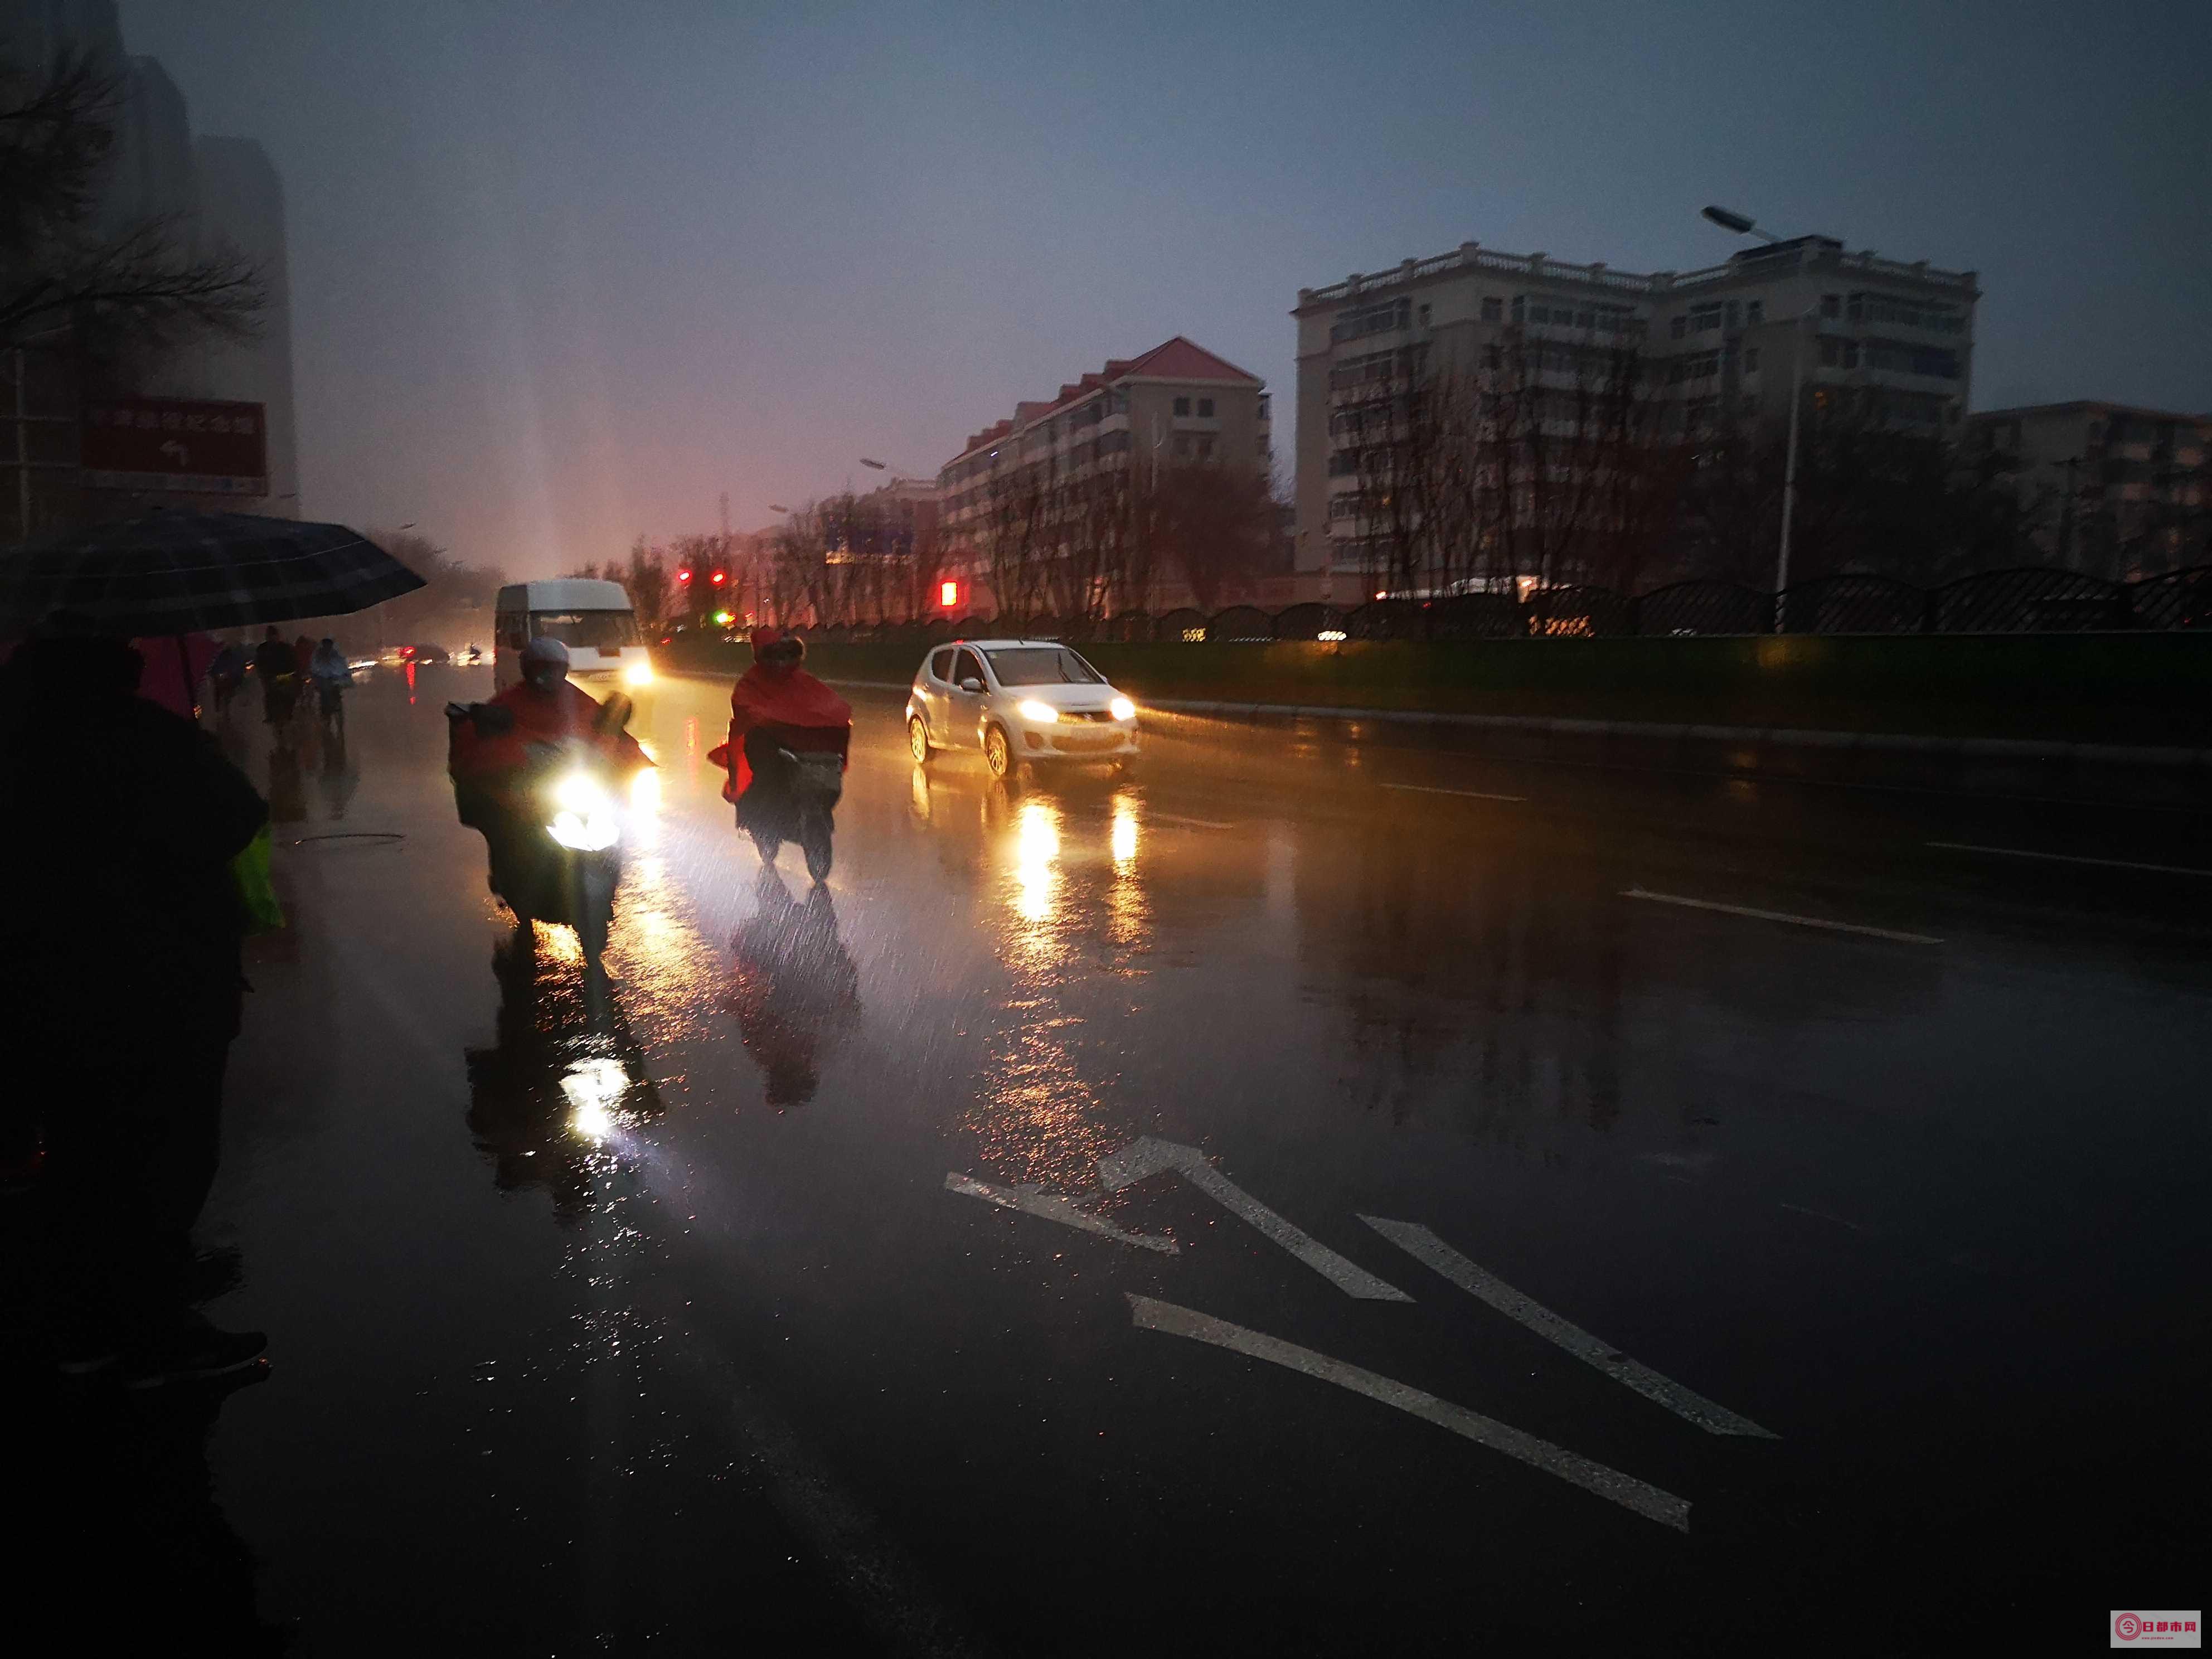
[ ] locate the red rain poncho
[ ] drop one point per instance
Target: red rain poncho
(788, 697)
(567, 711)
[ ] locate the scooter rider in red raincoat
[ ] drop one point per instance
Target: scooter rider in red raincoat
(491, 764)
(783, 722)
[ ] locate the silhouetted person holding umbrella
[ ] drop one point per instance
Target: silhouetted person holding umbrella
(120, 965)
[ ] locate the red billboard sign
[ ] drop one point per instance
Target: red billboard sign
(173, 443)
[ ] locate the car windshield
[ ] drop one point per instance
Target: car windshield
(1041, 665)
(589, 630)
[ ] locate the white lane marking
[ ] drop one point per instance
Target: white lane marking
(1194, 823)
(1780, 915)
(1478, 1281)
(1146, 1157)
(1472, 794)
(2071, 857)
(1645, 1499)
(1031, 1200)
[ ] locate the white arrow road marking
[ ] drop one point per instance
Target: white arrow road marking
(1032, 1199)
(1420, 1242)
(1146, 1155)
(1781, 915)
(1193, 823)
(1645, 1499)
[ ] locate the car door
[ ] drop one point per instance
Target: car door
(966, 706)
(936, 693)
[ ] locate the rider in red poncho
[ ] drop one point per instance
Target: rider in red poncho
(776, 692)
(776, 705)
(490, 768)
(547, 708)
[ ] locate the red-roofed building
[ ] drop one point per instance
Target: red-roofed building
(1177, 404)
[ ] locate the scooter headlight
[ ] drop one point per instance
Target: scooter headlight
(584, 819)
(1039, 714)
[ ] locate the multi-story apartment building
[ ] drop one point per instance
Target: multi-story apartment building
(1726, 341)
(216, 196)
(2111, 490)
(1177, 404)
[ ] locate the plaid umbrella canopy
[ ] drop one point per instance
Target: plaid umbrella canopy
(172, 573)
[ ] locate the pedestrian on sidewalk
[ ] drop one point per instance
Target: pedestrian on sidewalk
(120, 963)
(226, 673)
(279, 667)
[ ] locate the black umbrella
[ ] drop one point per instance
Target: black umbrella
(176, 573)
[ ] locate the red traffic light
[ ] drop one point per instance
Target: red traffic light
(682, 575)
(948, 595)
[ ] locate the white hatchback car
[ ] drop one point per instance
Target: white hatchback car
(1022, 702)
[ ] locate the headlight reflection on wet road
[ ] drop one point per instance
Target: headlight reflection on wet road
(1036, 856)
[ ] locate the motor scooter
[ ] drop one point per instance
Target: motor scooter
(554, 831)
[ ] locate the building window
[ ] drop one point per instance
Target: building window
(1832, 305)
(1205, 449)
(1732, 313)
(1755, 312)
(1698, 366)
(1705, 318)
(1678, 328)
(1183, 406)
(1520, 307)
(1182, 446)
(1206, 409)
(1424, 316)
(1383, 318)
(1493, 309)
(1259, 408)
(1751, 359)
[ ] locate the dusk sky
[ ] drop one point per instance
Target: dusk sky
(562, 273)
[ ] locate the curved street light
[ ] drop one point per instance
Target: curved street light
(1742, 224)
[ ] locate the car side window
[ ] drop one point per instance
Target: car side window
(940, 665)
(968, 668)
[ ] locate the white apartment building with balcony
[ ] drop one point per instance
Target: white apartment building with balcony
(1902, 333)
(1177, 404)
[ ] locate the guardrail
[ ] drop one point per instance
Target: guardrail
(2029, 600)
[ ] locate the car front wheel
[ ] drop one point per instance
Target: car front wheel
(996, 754)
(917, 739)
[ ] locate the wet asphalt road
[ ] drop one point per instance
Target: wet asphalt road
(675, 1338)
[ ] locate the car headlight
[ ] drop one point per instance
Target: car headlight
(1041, 713)
(1122, 708)
(638, 673)
(584, 816)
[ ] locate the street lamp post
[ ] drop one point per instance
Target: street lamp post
(1789, 465)
(1741, 224)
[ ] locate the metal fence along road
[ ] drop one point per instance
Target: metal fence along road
(2022, 601)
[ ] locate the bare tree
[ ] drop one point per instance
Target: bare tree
(456, 598)
(128, 292)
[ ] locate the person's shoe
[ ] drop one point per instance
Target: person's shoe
(193, 1355)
